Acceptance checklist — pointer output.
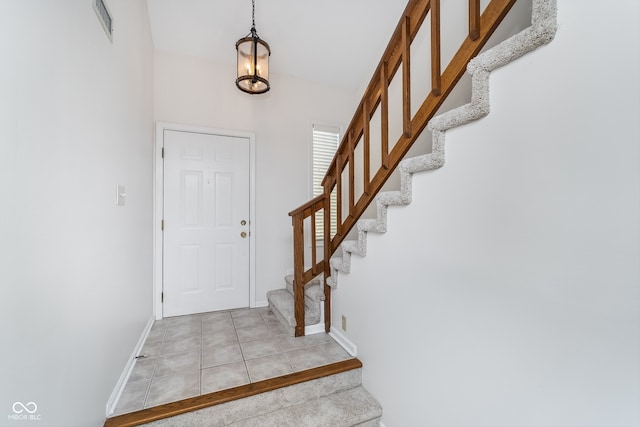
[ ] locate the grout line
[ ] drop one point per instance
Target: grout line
(289, 361)
(146, 394)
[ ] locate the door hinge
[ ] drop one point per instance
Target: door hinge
(163, 152)
(161, 296)
(162, 225)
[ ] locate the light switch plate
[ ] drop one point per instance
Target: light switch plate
(120, 195)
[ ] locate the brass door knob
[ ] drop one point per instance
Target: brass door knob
(243, 234)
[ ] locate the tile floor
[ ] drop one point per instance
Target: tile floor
(192, 355)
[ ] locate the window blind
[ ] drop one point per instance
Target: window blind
(325, 144)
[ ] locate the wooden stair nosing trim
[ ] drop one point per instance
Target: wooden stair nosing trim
(206, 400)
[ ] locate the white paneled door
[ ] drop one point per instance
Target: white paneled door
(206, 223)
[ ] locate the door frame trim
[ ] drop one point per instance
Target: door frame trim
(158, 203)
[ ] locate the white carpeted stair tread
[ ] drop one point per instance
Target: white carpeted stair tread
(312, 290)
(368, 224)
(355, 246)
(392, 198)
(353, 407)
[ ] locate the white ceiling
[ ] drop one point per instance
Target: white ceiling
(336, 42)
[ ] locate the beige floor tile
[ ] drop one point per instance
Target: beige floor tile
(181, 331)
(172, 388)
(253, 333)
(243, 312)
(259, 348)
(266, 367)
(277, 328)
(221, 355)
(142, 370)
(184, 320)
(335, 352)
(216, 325)
(132, 398)
(321, 338)
(156, 334)
(224, 377)
(307, 358)
(176, 363)
(220, 338)
(181, 345)
(152, 349)
(216, 316)
(247, 321)
(287, 343)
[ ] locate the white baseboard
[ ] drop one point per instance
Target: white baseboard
(124, 377)
(318, 328)
(260, 304)
(344, 342)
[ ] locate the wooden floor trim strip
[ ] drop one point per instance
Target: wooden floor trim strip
(204, 401)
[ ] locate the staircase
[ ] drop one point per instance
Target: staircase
(541, 31)
(298, 305)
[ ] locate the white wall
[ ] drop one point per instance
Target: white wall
(75, 269)
(197, 92)
(508, 294)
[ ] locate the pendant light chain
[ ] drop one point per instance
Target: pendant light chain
(253, 13)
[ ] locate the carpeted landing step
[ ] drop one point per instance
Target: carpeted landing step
(337, 400)
(281, 304)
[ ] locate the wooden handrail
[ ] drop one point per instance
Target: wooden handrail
(397, 53)
(309, 205)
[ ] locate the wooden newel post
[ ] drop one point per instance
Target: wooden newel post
(298, 271)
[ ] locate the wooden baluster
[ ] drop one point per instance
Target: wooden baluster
(384, 114)
(352, 175)
(406, 77)
(436, 73)
(366, 140)
(474, 19)
(339, 192)
(298, 272)
(314, 257)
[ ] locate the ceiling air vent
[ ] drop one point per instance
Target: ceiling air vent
(105, 17)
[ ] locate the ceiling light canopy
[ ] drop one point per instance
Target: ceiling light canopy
(253, 60)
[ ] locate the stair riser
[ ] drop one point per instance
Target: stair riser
(312, 291)
(353, 407)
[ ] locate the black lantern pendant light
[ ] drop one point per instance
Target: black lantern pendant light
(253, 60)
